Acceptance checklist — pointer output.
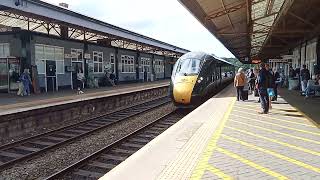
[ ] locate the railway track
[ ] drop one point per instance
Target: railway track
(99, 163)
(16, 152)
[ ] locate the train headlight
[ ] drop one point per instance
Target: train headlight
(200, 79)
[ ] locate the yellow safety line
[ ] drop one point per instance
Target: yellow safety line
(276, 141)
(277, 132)
(199, 170)
(258, 106)
(279, 113)
(268, 117)
(252, 164)
(218, 172)
(318, 134)
(280, 156)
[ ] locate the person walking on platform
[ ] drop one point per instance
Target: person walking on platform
(26, 81)
(262, 86)
(304, 77)
(239, 82)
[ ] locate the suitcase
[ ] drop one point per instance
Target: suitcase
(244, 95)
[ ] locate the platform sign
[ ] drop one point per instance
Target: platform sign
(278, 60)
(289, 56)
(69, 56)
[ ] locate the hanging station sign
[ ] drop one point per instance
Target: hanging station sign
(288, 56)
(278, 60)
(69, 56)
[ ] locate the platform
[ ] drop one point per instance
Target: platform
(11, 103)
(226, 139)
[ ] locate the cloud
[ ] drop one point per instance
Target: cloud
(165, 20)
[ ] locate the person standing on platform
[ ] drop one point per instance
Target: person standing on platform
(304, 77)
(26, 81)
(292, 72)
(262, 86)
(80, 80)
(277, 80)
(239, 82)
(112, 78)
(271, 84)
(252, 79)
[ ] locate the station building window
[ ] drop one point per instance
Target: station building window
(158, 66)
(45, 53)
(145, 64)
(4, 50)
(112, 63)
(97, 62)
(127, 64)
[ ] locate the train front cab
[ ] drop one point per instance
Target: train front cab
(199, 82)
(183, 80)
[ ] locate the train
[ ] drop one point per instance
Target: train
(196, 76)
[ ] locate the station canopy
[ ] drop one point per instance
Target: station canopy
(258, 29)
(42, 17)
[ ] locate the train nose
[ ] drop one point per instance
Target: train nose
(182, 92)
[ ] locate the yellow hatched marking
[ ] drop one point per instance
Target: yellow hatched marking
(294, 129)
(252, 164)
(280, 113)
(276, 141)
(277, 132)
(268, 117)
(280, 156)
(202, 164)
(218, 172)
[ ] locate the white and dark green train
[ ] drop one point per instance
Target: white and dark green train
(196, 76)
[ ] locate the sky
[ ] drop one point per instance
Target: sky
(164, 20)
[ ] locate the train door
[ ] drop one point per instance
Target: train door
(51, 76)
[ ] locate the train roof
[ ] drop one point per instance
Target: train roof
(196, 55)
(202, 55)
(223, 60)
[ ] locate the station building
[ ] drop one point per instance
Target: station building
(54, 43)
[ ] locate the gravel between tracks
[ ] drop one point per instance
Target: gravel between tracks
(49, 127)
(54, 160)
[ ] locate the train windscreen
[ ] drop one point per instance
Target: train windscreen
(187, 67)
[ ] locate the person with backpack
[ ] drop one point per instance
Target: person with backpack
(239, 82)
(263, 83)
(304, 77)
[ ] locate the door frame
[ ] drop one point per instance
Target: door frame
(82, 64)
(45, 75)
